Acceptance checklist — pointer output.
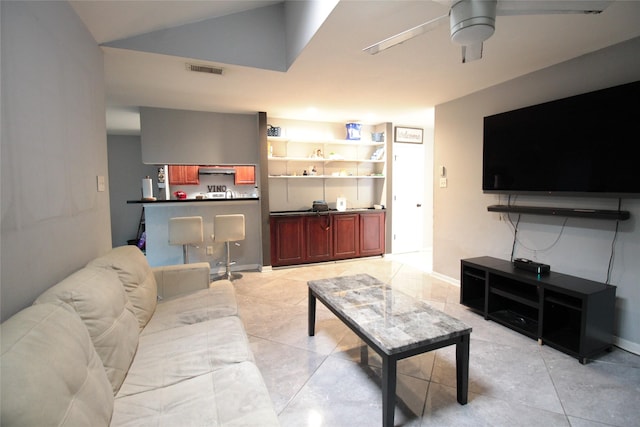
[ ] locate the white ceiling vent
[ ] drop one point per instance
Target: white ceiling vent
(204, 69)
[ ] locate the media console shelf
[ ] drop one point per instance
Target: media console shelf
(568, 313)
(570, 212)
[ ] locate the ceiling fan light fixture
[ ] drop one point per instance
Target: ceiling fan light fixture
(473, 33)
(472, 21)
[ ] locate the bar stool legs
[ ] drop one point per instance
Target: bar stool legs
(227, 271)
(227, 229)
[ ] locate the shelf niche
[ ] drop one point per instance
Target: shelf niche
(566, 212)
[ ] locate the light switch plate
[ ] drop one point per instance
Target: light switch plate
(101, 183)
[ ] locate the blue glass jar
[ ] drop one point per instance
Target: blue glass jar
(353, 131)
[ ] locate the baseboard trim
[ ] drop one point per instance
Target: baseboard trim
(446, 278)
(627, 345)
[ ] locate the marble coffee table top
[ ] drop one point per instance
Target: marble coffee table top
(390, 318)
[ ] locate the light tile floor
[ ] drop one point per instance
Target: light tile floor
(319, 382)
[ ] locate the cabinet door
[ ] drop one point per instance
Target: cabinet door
(245, 175)
(372, 230)
(183, 175)
(287, 240)
(318, 238)
(345, 236)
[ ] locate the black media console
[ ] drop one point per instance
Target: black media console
(568, 313)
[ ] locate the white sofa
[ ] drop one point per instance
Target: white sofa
(98, 349)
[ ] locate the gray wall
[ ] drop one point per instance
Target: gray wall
(247, 254)
(198, 138)
(53, 147)
(125, 183)
(462, 226)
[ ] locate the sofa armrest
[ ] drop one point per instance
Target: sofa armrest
(179, 279)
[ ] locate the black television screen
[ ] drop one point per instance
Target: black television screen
(584, 145)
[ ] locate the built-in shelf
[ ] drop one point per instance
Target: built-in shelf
(567, 212)
(330, 159)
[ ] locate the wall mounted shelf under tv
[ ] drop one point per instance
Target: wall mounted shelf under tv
(566, 212)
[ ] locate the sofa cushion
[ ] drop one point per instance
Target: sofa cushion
(233, 396)
(179, 279)
(98, 297)
(136, 276)
(184, 352)
(50, 372)
(217, 301)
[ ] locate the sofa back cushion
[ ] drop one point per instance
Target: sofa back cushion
(97, 296)
(136, 276)
(49, 371)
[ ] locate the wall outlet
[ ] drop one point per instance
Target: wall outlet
(443, 182)
(209, 250)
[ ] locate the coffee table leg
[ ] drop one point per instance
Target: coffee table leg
(312, 314)
(462, 369)
(364, 353)
(388, 390)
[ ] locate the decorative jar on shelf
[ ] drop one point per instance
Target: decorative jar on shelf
(353, 131)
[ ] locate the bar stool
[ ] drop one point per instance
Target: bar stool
(185, 231)
(228, 228)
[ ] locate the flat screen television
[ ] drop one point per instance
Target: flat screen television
(584, 145)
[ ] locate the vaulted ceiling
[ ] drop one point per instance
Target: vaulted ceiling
(304, 60)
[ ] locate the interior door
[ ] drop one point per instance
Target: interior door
(408, 194)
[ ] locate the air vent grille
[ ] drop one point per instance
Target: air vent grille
(204, 69)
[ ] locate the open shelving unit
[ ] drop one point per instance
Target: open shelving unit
(338, 159)
(568, 313)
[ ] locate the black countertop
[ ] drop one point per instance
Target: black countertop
(330, 211)
(160, 202)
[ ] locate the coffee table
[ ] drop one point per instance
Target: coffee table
(394, 325)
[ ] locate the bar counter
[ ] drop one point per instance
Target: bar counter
(186, 201)
(248, 255)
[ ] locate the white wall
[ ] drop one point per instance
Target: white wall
(53, 147)
(462, 226)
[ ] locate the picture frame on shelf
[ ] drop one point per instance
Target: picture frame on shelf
(408, 134)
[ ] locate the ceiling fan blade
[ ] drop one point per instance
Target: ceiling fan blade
(406, 35)
(544, 7)
(471, 52)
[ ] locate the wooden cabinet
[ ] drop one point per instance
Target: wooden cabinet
(568, 313)
(287, 240)
(346, 236)
(183, 175)
(299, 239)
(245, 175)
(319, 238)
(372, 233)
(188, 175)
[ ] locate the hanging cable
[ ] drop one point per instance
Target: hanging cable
(551, 245)
(516, 240)
(515, 234)
(613, 246)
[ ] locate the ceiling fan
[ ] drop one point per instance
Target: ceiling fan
(473, 21)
